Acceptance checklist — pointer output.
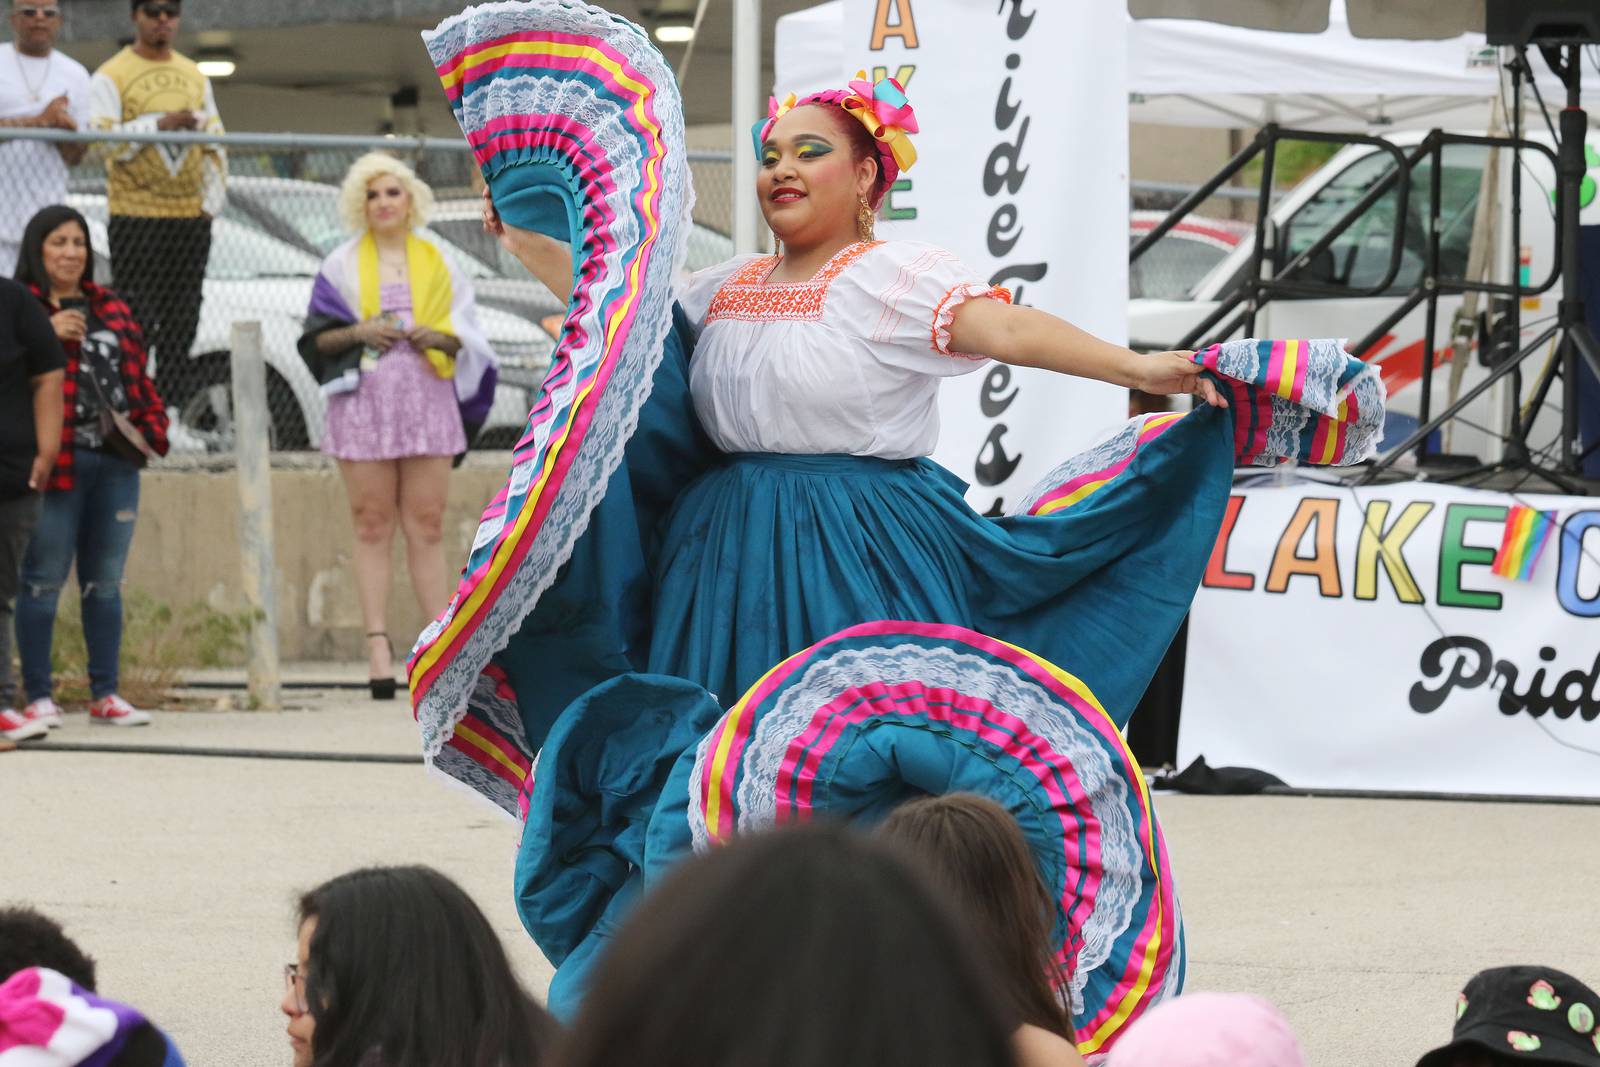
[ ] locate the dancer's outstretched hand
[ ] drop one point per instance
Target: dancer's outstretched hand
(1166, 373)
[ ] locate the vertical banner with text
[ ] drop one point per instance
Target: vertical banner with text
(1023, 174)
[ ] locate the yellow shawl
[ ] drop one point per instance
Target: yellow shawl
(431, 292)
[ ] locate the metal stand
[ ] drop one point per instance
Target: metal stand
(1571, 331)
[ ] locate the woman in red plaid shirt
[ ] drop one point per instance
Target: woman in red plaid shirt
(113, 421)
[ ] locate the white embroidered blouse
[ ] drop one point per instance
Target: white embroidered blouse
(848, 362)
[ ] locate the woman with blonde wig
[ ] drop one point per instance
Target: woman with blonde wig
(392, 335)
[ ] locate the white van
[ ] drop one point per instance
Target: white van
(1359, 258)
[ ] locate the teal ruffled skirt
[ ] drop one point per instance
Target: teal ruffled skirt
(765, 555)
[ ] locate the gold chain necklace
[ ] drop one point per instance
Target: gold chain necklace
(394, 268)
(22, 72)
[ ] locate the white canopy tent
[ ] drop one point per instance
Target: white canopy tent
(1413, 19)
(1190, 73)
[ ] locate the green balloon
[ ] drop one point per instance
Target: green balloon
(1586, 191)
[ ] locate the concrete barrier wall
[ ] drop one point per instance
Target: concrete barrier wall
(186, 550)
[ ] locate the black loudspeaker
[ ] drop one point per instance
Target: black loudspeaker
(1542, 22)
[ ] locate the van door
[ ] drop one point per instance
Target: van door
(1358, 259)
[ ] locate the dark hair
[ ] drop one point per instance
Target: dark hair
(137, 4)
(807, 947)
(30, 261)
(976, 853)
(29, 938)
(405, 971)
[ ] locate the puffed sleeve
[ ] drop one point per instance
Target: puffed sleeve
(697, 290)
(903, 297)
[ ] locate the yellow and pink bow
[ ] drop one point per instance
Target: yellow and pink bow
(881, 107)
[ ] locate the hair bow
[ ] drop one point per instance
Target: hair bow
(776, 109)
(883, 109)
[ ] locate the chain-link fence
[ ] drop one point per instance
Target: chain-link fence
(189, 279)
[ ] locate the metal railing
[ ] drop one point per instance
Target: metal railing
(1253, 289)
(1434, 284)
(256, 262)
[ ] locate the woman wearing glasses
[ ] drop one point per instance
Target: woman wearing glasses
(397, 967)
(43, 89)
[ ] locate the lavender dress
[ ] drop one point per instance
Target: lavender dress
(402, 408)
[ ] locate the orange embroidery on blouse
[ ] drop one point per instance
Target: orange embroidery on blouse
(748, 296)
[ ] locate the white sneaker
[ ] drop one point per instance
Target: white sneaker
(44, 710)
(114, 711)
(13, 727)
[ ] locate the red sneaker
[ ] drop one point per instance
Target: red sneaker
(13, 727)
(44, 710)
(114, 711)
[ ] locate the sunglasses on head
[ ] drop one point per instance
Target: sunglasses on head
(155, 11)
(39, 12)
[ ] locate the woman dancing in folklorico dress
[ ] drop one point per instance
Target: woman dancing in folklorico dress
(724, 586)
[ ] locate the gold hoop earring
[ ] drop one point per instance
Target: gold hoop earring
(865, 218)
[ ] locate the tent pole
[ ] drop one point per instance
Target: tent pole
(1485, 232)
(1509, 399)
(746, 99)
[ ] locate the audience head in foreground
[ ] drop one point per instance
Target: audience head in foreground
(1210, 1030)
(29, 938)
(1522, 1015)
(802, 947)
(50, 1014)
(397, 967)
(982, 866)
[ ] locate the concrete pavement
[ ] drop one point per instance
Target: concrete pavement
(179, 873)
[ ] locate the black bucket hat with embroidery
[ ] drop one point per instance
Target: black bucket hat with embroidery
(1532, 1015)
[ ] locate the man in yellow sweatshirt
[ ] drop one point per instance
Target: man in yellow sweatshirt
(162, 197)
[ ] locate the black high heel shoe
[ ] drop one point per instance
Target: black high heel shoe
(382, 688)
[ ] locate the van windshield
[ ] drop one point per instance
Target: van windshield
(1359, 256)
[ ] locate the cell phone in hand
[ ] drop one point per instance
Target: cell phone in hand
(74, 303)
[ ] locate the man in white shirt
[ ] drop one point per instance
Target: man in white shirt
(41, 87)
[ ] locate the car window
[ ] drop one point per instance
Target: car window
(468, 235)
(1359, 257)
(240, 253)
(706, 247)
(458, 258)
(308, 214)
(1172, 267)
(308, 211)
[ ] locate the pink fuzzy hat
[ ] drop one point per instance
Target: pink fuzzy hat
(1209, 1030)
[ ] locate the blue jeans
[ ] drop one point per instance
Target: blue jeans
(93, 523)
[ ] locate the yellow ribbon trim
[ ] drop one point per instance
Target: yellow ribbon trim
(899, 142)
(467, 611)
